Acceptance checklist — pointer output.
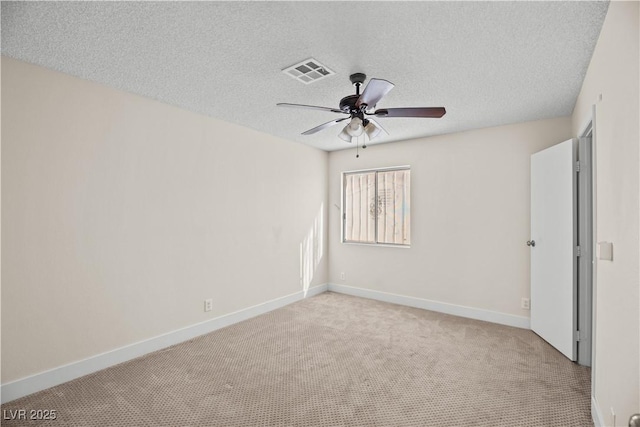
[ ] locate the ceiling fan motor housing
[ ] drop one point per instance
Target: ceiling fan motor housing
(348, 103)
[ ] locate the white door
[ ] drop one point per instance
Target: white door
(553, 287)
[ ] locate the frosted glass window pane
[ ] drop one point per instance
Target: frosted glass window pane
(393, 207)
(359, 223)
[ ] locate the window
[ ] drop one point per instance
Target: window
(376, 206)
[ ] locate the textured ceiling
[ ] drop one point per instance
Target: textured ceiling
(488, 63)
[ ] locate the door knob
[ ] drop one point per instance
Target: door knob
(531, 243)
(634, 421)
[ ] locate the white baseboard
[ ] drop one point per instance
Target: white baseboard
(442, 307)
(44, 380)
(596, 415)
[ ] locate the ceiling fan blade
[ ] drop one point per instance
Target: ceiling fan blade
(432, 112)
(313, 107)
(375, 90)
(325, 125)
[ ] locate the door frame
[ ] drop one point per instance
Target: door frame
(588, 129)
(584, 271)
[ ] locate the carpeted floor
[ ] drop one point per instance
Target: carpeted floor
(334, 360)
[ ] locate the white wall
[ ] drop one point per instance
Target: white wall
(614, 74)
(470, 217)
(120, 215)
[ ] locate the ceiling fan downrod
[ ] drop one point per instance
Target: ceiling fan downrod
(357, 79)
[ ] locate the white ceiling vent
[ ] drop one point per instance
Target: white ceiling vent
(308, 71)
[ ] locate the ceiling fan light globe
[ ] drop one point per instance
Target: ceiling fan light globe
(354, 128)
(372, 130)
(355, 132)
(344, 135)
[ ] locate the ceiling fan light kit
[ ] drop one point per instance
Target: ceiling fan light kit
(360, 105)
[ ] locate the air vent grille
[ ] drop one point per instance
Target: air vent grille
(308, 71)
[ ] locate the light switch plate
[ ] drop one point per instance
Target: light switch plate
(605, 251)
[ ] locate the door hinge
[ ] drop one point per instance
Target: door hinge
(577, 335)
(578, 166)
(344, 215)
(578, 251)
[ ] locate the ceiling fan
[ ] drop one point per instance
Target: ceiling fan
(360, 106)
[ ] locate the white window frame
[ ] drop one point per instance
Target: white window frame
(343, 214)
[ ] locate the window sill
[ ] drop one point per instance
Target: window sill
(384, 245)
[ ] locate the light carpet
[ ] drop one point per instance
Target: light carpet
(334, 360)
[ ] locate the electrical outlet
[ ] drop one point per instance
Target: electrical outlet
(342, 276)
(525, 304)
(208, 304)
